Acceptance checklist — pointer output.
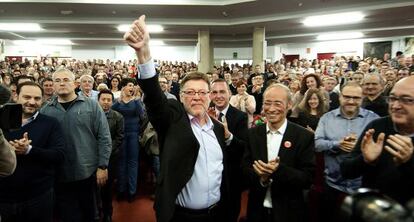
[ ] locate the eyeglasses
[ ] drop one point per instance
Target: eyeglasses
(349, 98)
(162, 82)
(64, 80)
(406, 100)
(193, 93)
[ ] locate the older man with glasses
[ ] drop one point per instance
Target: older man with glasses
(383, 155)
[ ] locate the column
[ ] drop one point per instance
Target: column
(205, 61)
(258, 47)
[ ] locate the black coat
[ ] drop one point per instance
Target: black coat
(294, 175)
(395, 181)
(178, 148)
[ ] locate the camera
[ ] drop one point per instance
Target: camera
(10, 114)
(367, 205)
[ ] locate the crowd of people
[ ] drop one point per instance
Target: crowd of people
(327, 127)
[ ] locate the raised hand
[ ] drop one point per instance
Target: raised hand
(401, 147)
(370, 149)
(137, 36)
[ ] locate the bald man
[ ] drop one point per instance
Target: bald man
(383, 155)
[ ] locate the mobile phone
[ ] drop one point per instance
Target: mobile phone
(10, 116)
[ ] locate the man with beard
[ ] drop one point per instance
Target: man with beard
(27, 195)
(383, 155)
(337, 142)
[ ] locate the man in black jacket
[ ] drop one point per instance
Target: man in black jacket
(383, 155)
(236, 121)
(278, 163)
(116, 127)
(193, 181)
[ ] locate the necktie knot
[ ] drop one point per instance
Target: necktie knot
(220, 117)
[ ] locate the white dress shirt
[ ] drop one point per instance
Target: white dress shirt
(274, 140)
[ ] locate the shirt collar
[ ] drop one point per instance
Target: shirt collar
(224, 111)
(31, 119)
(361, 113)
(209, 123)
(281, 130)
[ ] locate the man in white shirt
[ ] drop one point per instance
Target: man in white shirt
(278, 162)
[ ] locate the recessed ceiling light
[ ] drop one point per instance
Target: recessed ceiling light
(338, 36)
(151, 28)
(66, 12)
(333, 19)
(24, 42)
(54, 41)
(20, 27)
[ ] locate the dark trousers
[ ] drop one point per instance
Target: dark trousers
(331, 203)
(212, 214)
(37, 209)
(106, 197)
(76, 201)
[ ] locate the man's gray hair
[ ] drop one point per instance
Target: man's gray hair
(64, 70)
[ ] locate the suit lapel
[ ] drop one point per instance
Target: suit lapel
(288, 141)
(262, 142)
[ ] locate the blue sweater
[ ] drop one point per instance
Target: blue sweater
(35, 172)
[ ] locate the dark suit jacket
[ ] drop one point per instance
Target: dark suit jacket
(237, 125)
(116, 127)
(394, 181)
(178, 148)
(294, 175)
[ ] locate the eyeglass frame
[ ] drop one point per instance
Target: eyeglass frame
(405, 100)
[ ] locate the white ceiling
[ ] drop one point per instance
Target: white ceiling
(93, 23)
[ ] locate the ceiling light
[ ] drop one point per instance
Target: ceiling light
(54, 41)
(20, 27)
(156, 42)
(151, 28)
(24, 42)
(66, 12)
(333, 19)
(337, 36)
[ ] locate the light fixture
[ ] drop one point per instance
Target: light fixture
(151, 28)
(339, 35)
(154, 42)
(24, 42)
(20, 27)
(333, 19)
(54, 42)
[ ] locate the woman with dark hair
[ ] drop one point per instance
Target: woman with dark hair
(114, 86)
(310, 81)
(311, 109)
(133, 112)
(243, 101)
